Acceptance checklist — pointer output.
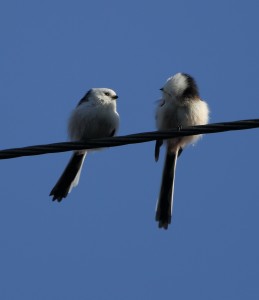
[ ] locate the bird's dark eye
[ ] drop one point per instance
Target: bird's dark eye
(107, 94)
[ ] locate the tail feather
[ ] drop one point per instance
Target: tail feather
(69, 178)
(165, 200)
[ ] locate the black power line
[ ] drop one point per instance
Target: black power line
(129, 139)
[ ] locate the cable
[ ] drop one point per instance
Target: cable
(129, 139)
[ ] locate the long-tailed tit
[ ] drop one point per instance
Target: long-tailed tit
(180, 106)
(94, 117)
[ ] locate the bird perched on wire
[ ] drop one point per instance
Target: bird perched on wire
(94, 117)
(180, 106)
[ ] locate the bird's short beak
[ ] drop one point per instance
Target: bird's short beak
(162, 89)
(115, 97)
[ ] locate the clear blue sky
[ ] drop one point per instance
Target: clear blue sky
(102, 242)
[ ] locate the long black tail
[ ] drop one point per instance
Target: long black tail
(165, 200)
(69, 177)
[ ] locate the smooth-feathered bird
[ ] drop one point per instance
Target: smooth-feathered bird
(94, 117)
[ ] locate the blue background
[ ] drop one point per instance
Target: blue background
(102, 242)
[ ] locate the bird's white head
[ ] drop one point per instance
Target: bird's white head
(180, 85)
(103, 94)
